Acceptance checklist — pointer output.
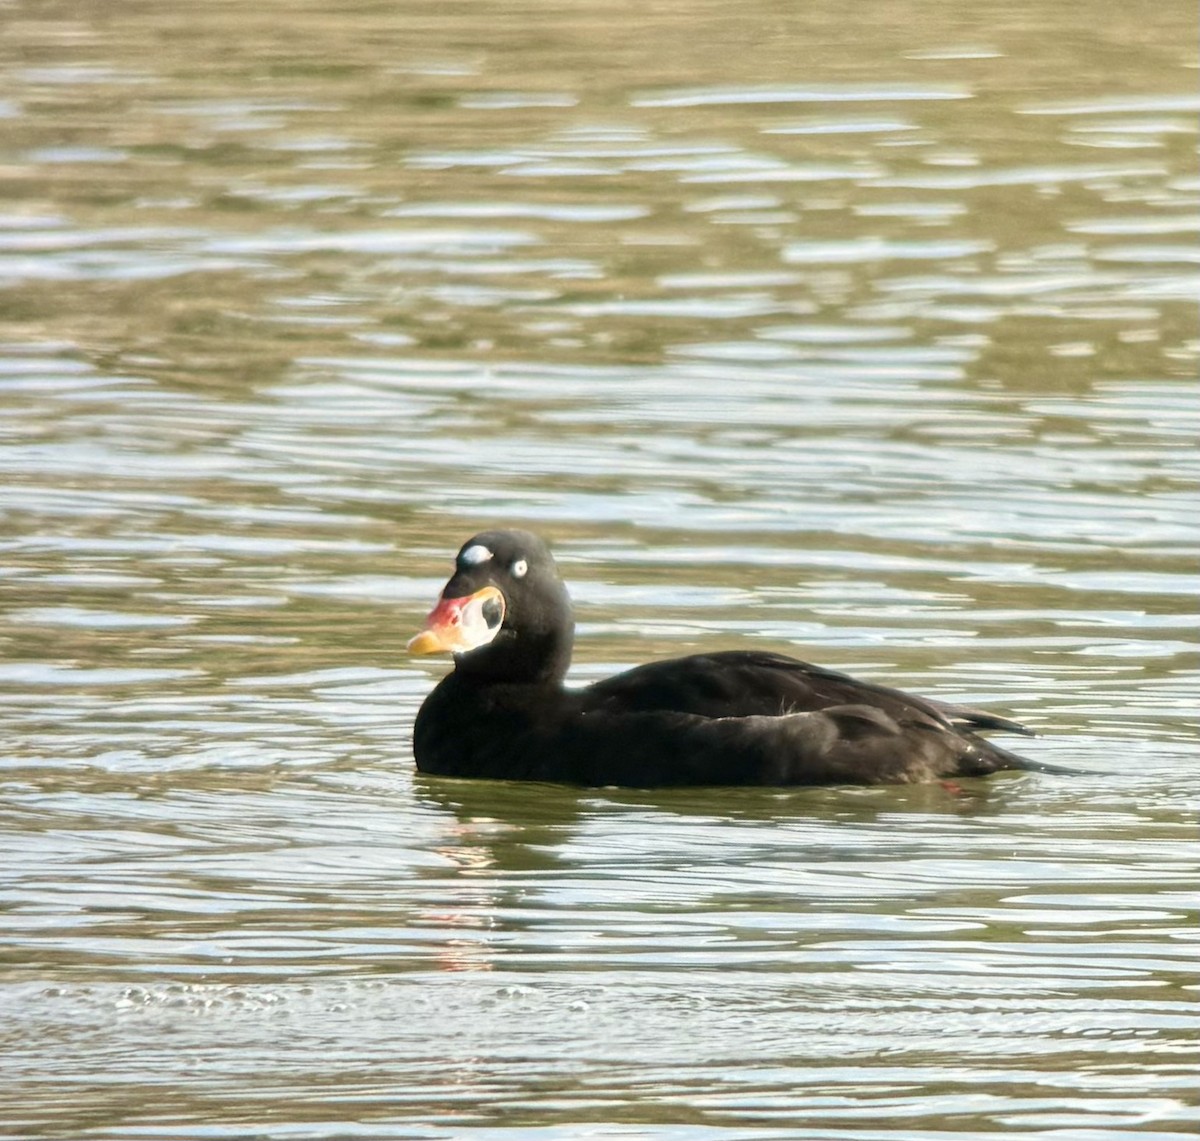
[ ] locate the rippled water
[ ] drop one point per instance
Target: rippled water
(864, 336)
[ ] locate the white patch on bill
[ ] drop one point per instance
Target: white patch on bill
(475, 555)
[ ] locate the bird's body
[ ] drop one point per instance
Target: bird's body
(728, 718)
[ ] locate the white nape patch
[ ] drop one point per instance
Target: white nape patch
(519, 568)
(475, 555)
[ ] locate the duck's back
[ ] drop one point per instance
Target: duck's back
(746, 683)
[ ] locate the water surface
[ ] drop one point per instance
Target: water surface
(868, 340)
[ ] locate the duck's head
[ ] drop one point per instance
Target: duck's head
(505, 613)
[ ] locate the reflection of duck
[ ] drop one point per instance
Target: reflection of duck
(729, 718)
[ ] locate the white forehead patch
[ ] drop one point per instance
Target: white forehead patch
(475, 555)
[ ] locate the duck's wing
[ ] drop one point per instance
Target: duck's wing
(967, 717)
(740, 683)
(843, 744)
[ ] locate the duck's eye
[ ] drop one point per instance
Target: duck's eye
(492, 612)
(519, 568)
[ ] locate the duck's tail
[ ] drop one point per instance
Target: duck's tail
(993, 758)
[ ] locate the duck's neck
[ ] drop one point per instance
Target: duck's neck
(533, 658)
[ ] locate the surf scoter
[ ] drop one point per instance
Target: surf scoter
(736, 717)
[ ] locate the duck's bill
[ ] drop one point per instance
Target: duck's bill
(457, 625)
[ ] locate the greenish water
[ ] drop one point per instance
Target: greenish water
(863, 334)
